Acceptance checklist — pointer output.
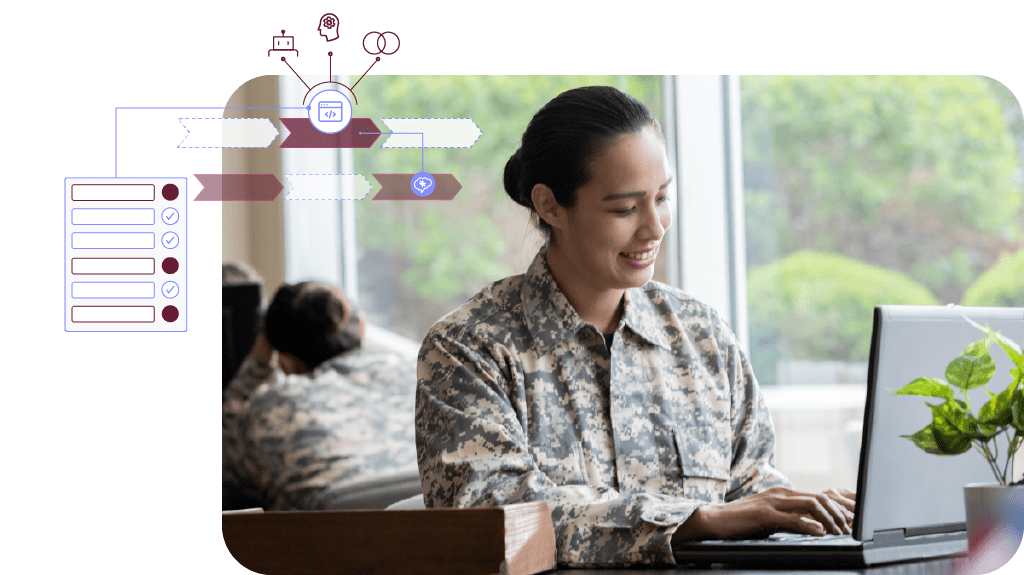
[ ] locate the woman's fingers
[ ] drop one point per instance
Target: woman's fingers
(831, 511)
(844, 497)
(819, 508)
(807, 526)
(839, 515)
(822, 511)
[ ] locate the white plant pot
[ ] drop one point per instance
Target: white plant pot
(995, 524)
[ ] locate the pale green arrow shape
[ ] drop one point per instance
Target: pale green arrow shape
(327, 186)
(228, 132)
(430, 132)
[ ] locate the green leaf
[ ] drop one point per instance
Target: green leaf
(952, 429)
(925, 440)
(973, 428)
(1017, 409)
(963, 406)
(1013, 351)
(989, 430)
(1011, 348)
(999, 409)
(927, 386)
(973, 368)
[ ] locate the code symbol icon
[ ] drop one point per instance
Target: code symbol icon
(330, 112)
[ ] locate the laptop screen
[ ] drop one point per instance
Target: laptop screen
(901, 486)
(240, 324)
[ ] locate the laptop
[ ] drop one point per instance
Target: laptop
(240, 324)
(910, 504)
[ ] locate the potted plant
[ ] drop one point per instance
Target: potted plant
(995, 512)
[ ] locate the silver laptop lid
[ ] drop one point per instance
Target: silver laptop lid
(899, 485)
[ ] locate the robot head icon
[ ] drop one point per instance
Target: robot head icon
(328, 27)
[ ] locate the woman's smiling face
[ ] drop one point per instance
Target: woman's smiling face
(611, 236)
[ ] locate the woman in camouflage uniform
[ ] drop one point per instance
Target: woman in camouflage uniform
(624, 403)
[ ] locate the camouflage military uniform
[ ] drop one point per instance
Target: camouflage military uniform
(297, 441)
(518, 399)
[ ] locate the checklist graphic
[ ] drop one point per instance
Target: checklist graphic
(125, 254)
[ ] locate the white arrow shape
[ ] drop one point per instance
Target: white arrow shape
(228, 132)
(327, 186)
(430, 133)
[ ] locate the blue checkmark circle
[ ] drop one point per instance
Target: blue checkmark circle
(169, 240)
(170, 216)
(169, 290)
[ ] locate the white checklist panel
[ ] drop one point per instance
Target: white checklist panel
(125, 254)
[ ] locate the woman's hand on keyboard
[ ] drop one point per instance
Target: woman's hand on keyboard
(778, 508)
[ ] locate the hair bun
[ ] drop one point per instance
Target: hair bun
(564, 136)
(513, 180)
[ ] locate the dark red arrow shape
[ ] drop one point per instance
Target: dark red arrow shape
(238, 187)
(396, 187)
(302, 134)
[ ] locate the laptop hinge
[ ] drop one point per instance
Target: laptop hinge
(935, 529)
(889, 537)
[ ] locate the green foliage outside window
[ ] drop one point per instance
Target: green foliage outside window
(819, 306)
(1001, 286)
(915, 173)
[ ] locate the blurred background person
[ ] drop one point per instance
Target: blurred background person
(312, 420)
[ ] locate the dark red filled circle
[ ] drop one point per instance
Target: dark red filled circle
(169, 265)
(170, 313)
(170, 192)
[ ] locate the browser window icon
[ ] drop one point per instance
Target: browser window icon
(330, 112)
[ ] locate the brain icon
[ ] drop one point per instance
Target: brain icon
(329, 22)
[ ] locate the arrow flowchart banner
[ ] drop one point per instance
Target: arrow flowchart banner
(228, 132)
(360, 133)
(327, 187)
(238, 187)
(397, 187)
(430, 133)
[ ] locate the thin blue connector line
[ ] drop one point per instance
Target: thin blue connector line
(188, 108)
(422, 142)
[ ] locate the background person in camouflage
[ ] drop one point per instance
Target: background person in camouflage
(622, 402)
(327, 418)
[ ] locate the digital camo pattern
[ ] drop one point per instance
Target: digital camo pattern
(518, 400)
(296, 441)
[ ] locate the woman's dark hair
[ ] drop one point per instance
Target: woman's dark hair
(311, 321)
(564, 136)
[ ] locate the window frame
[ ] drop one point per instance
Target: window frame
(710, 240)
(705, 248)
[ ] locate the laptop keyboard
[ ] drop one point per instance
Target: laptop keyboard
(788, 539)
(801, 539)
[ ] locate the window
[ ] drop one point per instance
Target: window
(417, 261)
(861, 191)
(803, 203)
(869, 190)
